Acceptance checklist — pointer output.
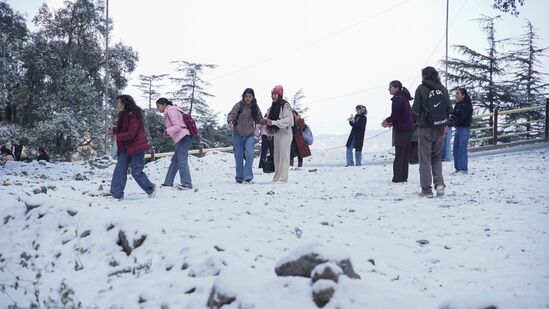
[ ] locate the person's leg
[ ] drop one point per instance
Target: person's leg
(456, 148)
(137, 163)
(238, 146)
(249, 156)
(358, 157)
(120, 175)
(264, 150)
(276, 157)
(464, 144)
(350, 152)
(436, 164)
(424, 152)
(397, 164)
(172, 169)
(183, 163)
(406, 145)
(284, 159)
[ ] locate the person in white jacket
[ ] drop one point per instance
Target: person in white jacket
(280, 121)
(177, 130)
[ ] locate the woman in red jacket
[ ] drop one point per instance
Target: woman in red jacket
(131, 142)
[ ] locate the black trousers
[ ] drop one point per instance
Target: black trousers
(267, 147)
(403, 144)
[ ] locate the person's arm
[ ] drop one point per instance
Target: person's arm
(132, 130)
(394, 112)
(176, 119)
(231, 116)
(286, 119)
(259, 117)
(416, 107)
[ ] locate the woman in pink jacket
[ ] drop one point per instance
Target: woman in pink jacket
(177, 130)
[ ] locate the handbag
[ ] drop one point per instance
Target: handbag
(308, 135)
(268, 165)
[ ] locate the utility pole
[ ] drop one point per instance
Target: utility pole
(106, 72)
(446, 62)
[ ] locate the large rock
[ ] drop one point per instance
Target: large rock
(302, 260)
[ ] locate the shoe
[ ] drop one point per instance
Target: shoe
(112, 197)
(183, 188)
(440, 190)
(239, 181)
(153, 193)
(165, 185)
(248, 181)
(426, 193)
(291, 162)
(299, 163)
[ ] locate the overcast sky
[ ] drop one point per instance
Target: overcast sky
(342, 53)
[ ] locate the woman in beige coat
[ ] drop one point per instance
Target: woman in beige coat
(280, 121)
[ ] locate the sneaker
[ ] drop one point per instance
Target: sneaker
(440, 190)
(112, 197)
(239, 181)
(153, 193)
(183, 188)
(426, 193)
(248, 181)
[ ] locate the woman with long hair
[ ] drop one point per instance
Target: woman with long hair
(356, 137)
(279, 124)
(402, 121)
(242, 119)
(177, 130)
(462, 116)
(131, 142)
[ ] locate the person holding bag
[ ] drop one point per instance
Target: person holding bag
(181, 136)
(299, 147)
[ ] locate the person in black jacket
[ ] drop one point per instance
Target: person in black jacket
(356, 138)
(42, 155)
(462, 116)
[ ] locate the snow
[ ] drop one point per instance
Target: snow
(487, 237)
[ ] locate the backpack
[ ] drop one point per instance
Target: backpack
(436, 114)
(190, 124)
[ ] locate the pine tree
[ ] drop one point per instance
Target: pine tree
(507, 6)
(191, 92)
(531, 83)
(297, 104)
(483, 73)
(147, 85)
(63, 84)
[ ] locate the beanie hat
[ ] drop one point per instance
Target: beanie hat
(278, 90)
(250, 91)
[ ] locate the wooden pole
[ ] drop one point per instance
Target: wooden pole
(495, 127)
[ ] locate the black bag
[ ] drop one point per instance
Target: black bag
(436, 114)
(268, 165)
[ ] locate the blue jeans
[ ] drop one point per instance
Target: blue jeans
(358, 154)
(243, 150)
(447, 147)
(180, 163)
(461, 141)
(120, 174)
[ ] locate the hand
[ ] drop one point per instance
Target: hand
(230, 124)
(269, 122)
(114, 137)
(269, 138)
(166, 133)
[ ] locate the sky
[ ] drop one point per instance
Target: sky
(341, 53)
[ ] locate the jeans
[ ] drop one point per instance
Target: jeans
(120, 174)
(447, 147)
(180, 163)
(358, 154)
(243, 150)
(461, 141)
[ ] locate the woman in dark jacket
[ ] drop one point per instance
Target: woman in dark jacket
(356, 138)
(402, 121)
(462, 116)
(131, 142)
(299, 146)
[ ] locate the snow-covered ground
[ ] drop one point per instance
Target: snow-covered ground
(485, 243)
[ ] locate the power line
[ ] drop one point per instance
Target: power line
(367, 19)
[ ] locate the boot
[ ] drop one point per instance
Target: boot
(300, 163)
(291, 162)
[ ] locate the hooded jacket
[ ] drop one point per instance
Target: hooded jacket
(420, 100)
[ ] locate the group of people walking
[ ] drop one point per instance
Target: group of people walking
(434, 113)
